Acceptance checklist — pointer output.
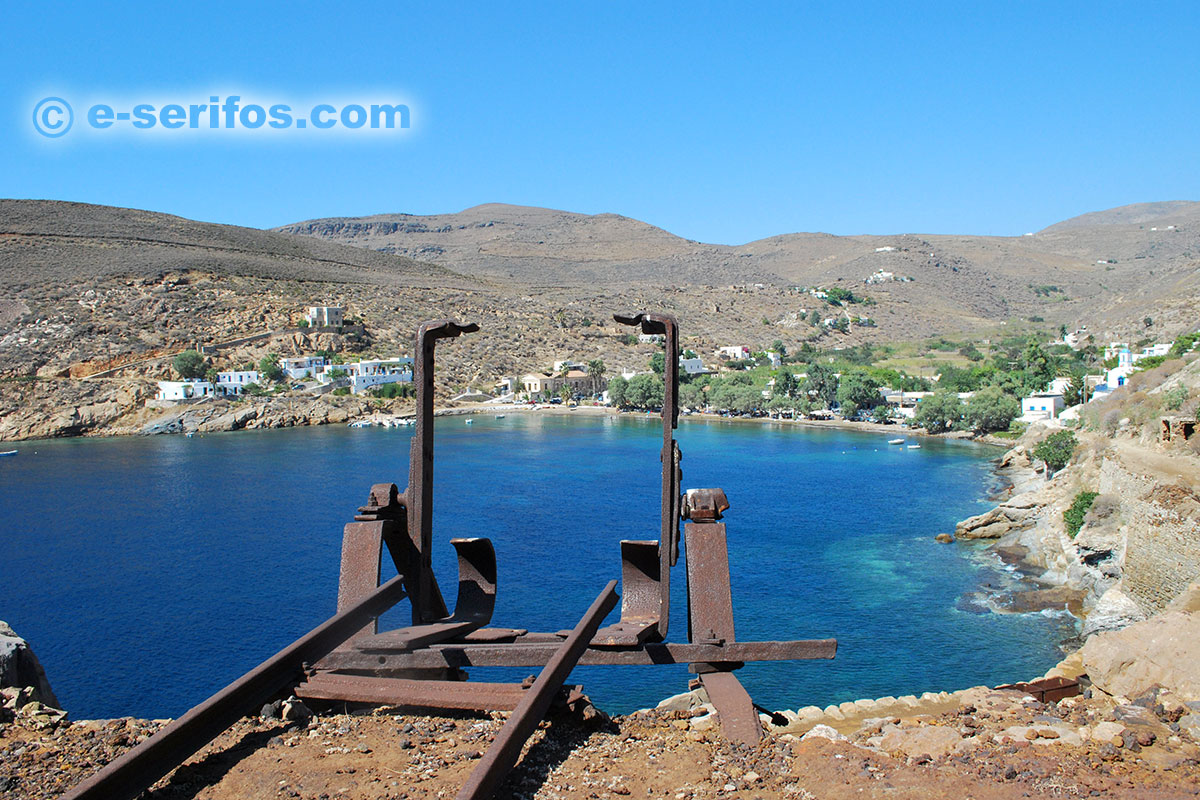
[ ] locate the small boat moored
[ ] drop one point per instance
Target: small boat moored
(914, 447)
(895, 441)
(9, 453)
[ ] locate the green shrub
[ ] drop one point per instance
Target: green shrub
(189, 364)
(1056, 449)
(342, 391)
(1073, 516)
(1175, 398)
(398, 389)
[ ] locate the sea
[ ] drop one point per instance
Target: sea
(148, 572)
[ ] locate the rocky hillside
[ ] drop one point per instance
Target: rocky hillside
(1110, 267)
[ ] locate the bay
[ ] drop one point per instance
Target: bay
(149, 572)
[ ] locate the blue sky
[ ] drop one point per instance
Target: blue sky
(715, 121)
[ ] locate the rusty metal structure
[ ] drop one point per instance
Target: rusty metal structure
(422, 665)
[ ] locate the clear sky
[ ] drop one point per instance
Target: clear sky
(719, 122)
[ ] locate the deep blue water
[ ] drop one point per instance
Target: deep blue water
(149, 572)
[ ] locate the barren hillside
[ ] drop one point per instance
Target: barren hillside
(1109, 268)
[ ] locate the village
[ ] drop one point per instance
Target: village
(787, 391)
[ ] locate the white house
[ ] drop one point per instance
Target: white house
(776, 361)
(234, 382)
(1041, 406)
(651, 338)
(362, 375)
(692, 366)
(324, 316)
(302, 367)
(1059, 386)
(733, 353)
(184, 390)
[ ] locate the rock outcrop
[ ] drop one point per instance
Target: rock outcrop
(1163, 651)
(283, 412)
(20, 669)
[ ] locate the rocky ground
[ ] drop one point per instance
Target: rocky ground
(980, 743)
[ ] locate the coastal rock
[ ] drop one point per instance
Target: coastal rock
(933, 741)
(1016, 514)
(823, 732)
(20, 668)
(1163, 651)
(1113, 611)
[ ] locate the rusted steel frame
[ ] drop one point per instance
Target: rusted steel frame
(475, 603)
(137, 769)
(640, 597)
(506, 748)
(1047, 690)
(378, 524)
(710, 601)
(520, 654)
(470, 696)
(427, 602)
(665, 325)
(735, 709)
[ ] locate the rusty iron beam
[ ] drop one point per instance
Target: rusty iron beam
(536, 653)
(136, 770)
(640, 597)
(486, 778)
(670, 456)
(465, 695)
(427, 602)
(735, 709)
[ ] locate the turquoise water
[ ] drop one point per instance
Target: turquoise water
(149, 572)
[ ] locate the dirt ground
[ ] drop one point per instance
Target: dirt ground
(382, 753)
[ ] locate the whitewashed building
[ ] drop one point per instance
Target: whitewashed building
(733, 353)
(692, 366)
(302, 367)
(232, 383)
(184, 390)
(325, 316)
(364, 375)
(1041, 406)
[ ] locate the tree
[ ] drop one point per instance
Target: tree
(189, 364)
(1076, 391)
(658, 362)
(939, 412)
(858, 390)
(269, 368)
(1056, 450)
(211, 375)
(822, 384)
(778, 347)
(1037, 366)
(616, 391)
(691, 396)
(881, 413)
(644, 391)
(596, 369)
(991, 409)
(1148, 321)
(785, 384)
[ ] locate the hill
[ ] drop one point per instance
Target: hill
(46, 241)
(1100, 269)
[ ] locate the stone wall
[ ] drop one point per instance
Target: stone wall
(1162, 554)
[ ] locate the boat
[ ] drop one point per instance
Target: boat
(9, 453)
(895, 441)
(470, 421)
(499, 416)
(914, 447)
(361, 423)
